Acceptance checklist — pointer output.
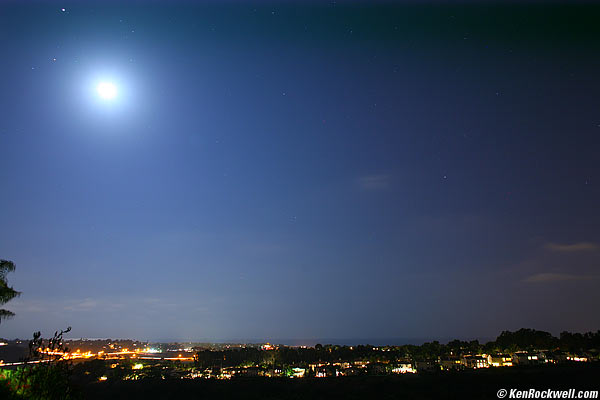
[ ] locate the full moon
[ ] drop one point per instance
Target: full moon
(107, 90)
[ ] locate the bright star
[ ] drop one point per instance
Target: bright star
(107, 90)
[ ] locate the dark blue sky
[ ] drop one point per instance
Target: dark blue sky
(300, 171)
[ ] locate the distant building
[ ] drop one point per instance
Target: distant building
(298, 372)
(273, 372)
(426, 366)
(450, 364)
(403, 368)
(352, 371)
(250, 371)
(549, 356)
(377, 369)
(500, 360)
(326, 371)
(527, 358)
(475, 362)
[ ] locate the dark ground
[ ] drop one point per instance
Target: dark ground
(482, 384)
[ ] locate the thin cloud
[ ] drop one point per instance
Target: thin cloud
(546, 277)
(571, 248)
(374, 182)
(28, 306)
(84, 305)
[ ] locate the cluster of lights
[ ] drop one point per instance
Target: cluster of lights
(88, 354)
(578, 359)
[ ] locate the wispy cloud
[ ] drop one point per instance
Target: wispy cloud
(571, 248)
(83, 305)
(89, 304)
(19, 306)
(545, 277)
(374, 182)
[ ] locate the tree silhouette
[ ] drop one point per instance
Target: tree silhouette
(7, 293)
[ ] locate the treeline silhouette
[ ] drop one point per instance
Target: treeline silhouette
(526, 339)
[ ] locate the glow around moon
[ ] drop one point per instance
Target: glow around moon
(107, 90)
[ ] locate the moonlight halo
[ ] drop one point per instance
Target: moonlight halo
(107, 90)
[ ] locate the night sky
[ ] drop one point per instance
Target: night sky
(286, 170)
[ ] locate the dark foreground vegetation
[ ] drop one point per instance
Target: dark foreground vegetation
(439, 371)
(479, 384)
